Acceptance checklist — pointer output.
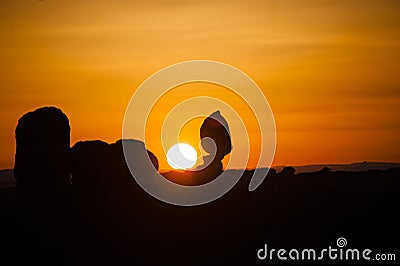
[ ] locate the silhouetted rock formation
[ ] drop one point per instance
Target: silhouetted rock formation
(325, 170)
(42, 171)
(216, 128)
(99, 170)
(94, 160)
(42, 153)
(103, 189)
(288, 171)
(90, 166)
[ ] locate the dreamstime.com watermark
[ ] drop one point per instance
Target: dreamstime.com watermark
(338, 252)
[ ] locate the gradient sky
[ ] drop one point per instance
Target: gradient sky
(329, 69)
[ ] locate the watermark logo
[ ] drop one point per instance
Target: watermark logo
(341, 242)
(340, 253)
(157, 85)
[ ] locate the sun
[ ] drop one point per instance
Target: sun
(182, 156)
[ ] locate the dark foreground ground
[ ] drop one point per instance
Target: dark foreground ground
(122, 224)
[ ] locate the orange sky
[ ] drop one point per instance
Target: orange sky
(329, 69)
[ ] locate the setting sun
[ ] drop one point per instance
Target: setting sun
(182, 156)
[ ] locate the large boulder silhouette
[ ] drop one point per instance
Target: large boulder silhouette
(42, 153)
(96, 164)
(105, 195)
(216, 127)
(90, 166)
(99, 172)
(42, 172)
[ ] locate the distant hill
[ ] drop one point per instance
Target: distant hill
(356, 167)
